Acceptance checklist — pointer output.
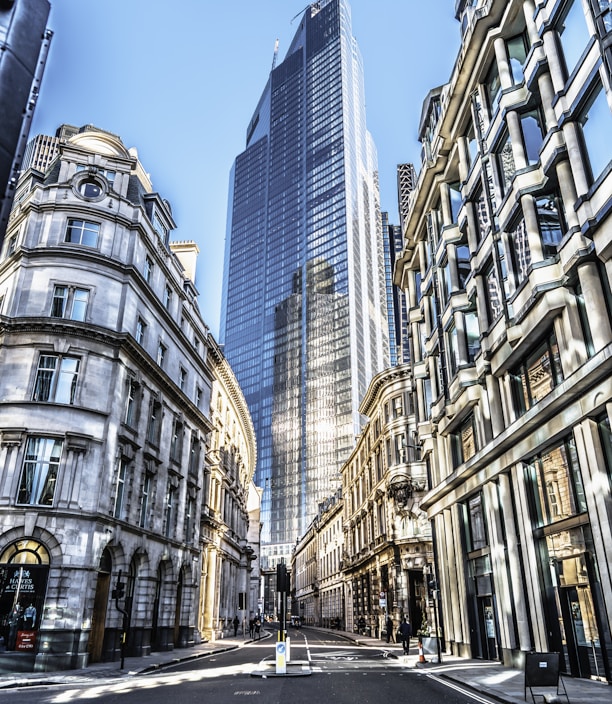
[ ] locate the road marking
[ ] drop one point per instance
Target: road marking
(456, 687)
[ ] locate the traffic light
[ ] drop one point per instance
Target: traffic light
(283, 581)
(432, 588)
(119, 591)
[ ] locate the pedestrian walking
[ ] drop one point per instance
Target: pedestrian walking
(390, 635)
(361, 625)
(251, 627)
(405, 630)
(257, 628)
(235, 623)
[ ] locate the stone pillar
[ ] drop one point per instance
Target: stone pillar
(209, 593)
(503, 65)
(574, 153)
(532, 30)
(533, 229)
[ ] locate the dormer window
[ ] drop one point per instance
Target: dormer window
(159, 226)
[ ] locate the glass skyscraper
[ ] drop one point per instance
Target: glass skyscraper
(303, 319)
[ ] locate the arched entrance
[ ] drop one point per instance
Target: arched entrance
(98, 619)
(24, 570)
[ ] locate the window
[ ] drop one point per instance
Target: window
(493, 88)
(11, 245)
(176, 442)
(505, 162)
(194, 454)
(472, 143)
(148, 269)
(159, 226)
(517, 54)
(454, 358)
(519, 250)
(182, 378)
(69, 302)
(532, 125)
(131, 405)
(556, 483)
(595, 121)
(82, 232)
(56, 378)
(472, 333)
(463, 263)
(475, 524)
(573, 34)
(495, 305)
(155, 422)
(161, 354)
(537, 375)
(605, 434)
(90, 189)
(141, 328)
(198, 396)
(145, 496)
(584, 320)
(39, 474)
(445, 282)
(189, 519)
(463, 442)
(169, 511)
(118, 508)
(454, 190)
(483, 221)
(551, 221)
(168, 297)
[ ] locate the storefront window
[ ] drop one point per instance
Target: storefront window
(24, 568)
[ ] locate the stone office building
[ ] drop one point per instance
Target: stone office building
(507, 270)
(112, 460)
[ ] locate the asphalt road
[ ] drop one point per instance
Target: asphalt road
(341, 672)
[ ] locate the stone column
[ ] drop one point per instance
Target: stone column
(210, 596)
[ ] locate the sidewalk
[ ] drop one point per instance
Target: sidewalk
(491, 679)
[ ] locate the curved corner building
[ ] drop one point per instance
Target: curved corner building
(303, 302)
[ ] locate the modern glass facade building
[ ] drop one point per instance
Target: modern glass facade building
(303, 317)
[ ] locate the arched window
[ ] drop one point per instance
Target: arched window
(24, 568)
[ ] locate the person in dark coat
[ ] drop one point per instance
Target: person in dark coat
(235, 623)
(406, 630)
(390, 634)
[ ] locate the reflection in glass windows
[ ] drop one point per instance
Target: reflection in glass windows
(463, 442)
(56, 378)
(595, 121)
(519, 250)
(555, 479)
(573, 34)
(537, 375)
(551, 221)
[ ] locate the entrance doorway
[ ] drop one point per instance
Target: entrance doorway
(98, 620)
(579, 632)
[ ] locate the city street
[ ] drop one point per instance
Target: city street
(341, 672)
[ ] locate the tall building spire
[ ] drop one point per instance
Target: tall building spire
(303, 319)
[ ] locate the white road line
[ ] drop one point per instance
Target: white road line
(467, 692)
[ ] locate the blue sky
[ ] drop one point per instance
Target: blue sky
(179, 81)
